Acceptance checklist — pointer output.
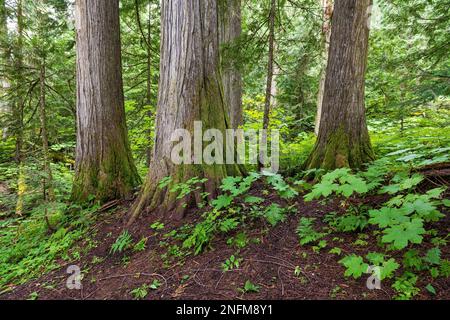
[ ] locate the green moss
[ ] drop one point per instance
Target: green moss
(114, 177)
(341, 150)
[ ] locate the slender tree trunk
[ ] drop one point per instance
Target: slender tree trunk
(269, 85)
(343, 139)
(230, 29)
(19, 100)
(149, 76)
(327, 6)
(48, 180)
(104, 164)
(190, 90)
(18, 108)
(4, 60)
(3, 29)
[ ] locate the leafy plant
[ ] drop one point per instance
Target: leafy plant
(402, 234)
(306, 232)
(140, 292)
(249, 287)
(141, 245)
(275, 214)
(155, 285)
(406, 286)
(355, 266)
(231, 263)
(122, 243)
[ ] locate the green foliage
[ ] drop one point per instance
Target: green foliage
(231, 263)
(406, 286)
(155, 284)
(141, 245)
(402, 234)
(157, 226)
(306, 232)
(140, 292)
(250, 287)
(275, 214)
(341, 182)
(123, 242)
(355, 266)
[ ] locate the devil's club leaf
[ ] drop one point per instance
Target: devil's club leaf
(401, 235)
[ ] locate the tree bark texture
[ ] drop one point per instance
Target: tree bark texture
(190, 89)
(230, 29)
(270, 80)
(327, 6)
(343, 139)
(104, 164)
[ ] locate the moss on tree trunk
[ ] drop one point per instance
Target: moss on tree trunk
(104, 164)
(190, 90)
(343, 139)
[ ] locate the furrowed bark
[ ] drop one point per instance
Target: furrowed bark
(104, 164)
(190, 90)
(269, 85)
(327, 6)
(343, 139)
(230, 29)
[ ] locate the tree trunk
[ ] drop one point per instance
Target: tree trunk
(48, 180)
(18, 109)
(4, 60)
(104, 164)
(230, 29)
(269, 85)
(327, 6)
(149, 76)
(190, 90)
(343, 139)
(19, 100)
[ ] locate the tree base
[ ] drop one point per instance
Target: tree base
(153, 198)
(339, 151)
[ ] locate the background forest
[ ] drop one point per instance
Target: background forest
(310, 231)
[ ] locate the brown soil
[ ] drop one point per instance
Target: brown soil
(270, 263)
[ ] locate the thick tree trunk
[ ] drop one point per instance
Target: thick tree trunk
(343, 139)
(48, 180)
(270, 82)
(190, 90)
(327, 6)
(230, 29)
(104, 164)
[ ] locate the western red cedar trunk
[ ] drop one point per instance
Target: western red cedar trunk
(230, 29)
(269, 85)
(104, 164)
(190, 90)
(327, 7)
(343, 139)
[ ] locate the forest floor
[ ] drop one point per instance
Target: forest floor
(276, 263)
